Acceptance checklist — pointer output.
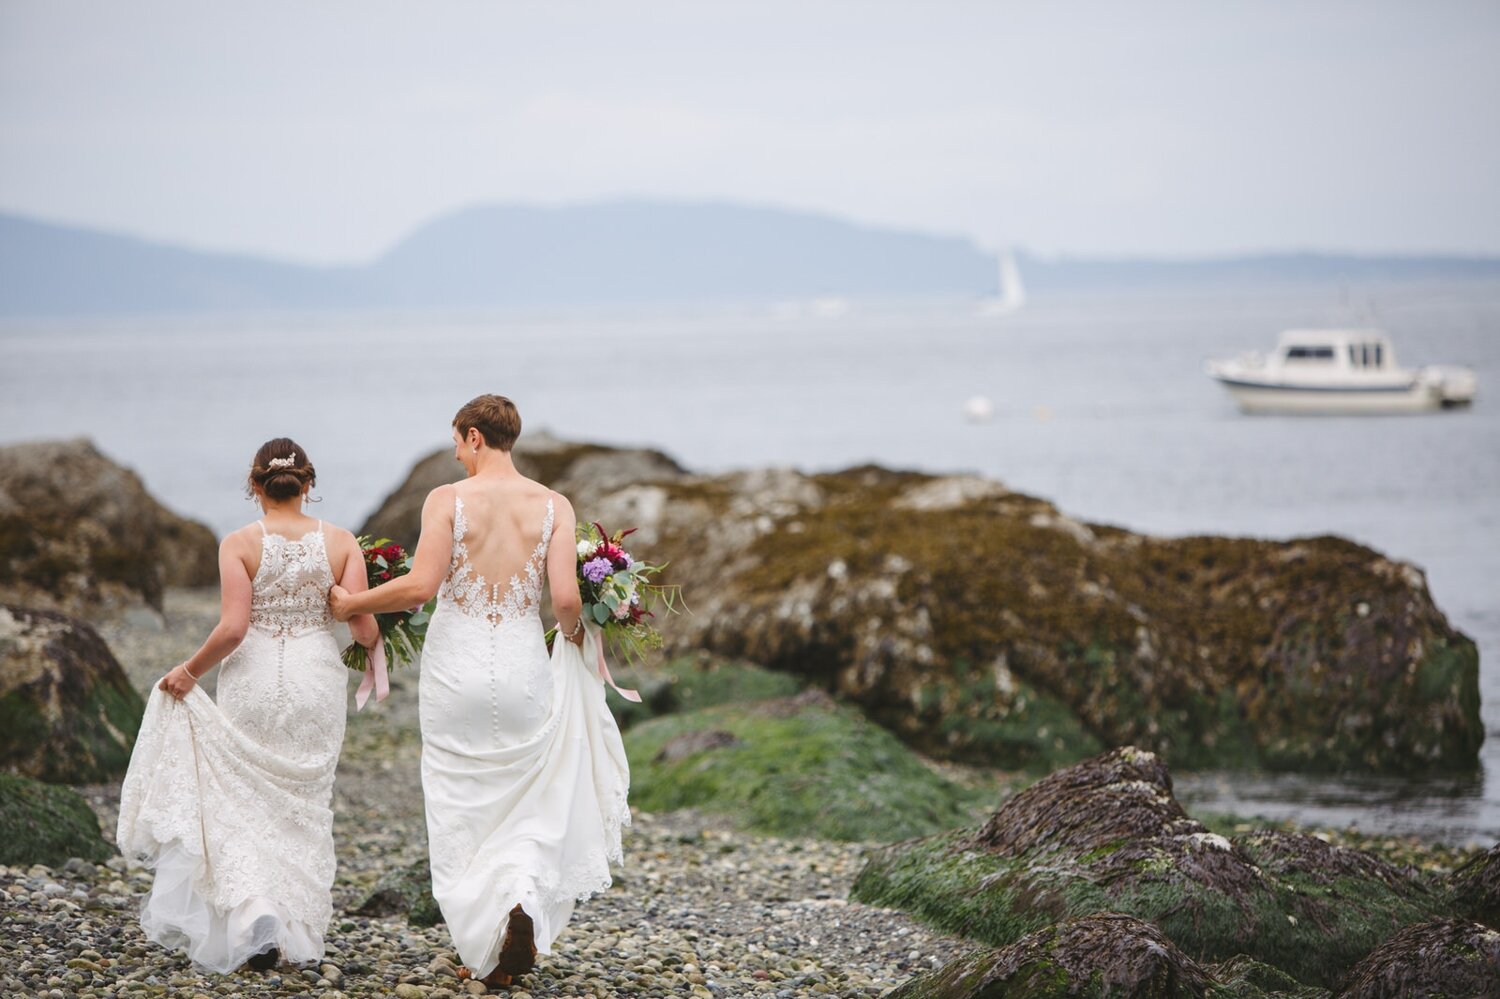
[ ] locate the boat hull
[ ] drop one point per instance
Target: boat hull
(1418, 397)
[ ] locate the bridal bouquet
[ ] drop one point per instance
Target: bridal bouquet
(402, 631)
(618, 592)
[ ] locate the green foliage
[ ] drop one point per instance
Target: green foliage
(46, 824)
(790, 768)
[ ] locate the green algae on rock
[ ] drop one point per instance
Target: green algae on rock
(1474, 889)
(1107, 835)
(1101, 955)
(1438, 958)
(46, 824)
(800, 766)
(404, 890)
(68, 713)
(689, 683)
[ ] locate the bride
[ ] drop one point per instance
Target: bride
(228, 801)
(523, 770)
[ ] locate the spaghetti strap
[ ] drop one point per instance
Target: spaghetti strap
(262, 525)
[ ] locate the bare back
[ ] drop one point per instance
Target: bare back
(501, 535)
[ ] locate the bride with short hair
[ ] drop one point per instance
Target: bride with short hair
(229, 800)
(523, 770)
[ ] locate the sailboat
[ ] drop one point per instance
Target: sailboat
(1012, 292)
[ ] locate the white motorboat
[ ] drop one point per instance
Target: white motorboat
(1339, 371)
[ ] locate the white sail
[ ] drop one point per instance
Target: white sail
(1012, 292)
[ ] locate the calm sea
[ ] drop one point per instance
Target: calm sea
(1100, 405)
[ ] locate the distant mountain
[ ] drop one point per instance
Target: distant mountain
(612, 253)
(503, 257)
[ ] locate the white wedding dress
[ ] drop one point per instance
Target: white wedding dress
(229, 800)
(523, 769)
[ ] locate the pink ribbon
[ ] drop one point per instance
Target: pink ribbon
(593, 632)
(375, 676)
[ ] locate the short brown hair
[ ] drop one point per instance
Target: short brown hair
(494, 416)
(292, 472)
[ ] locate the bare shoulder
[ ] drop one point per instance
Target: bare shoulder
(341, 537)
(442, 494)
(560, 504)
(243, 540)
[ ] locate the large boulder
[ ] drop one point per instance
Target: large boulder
(984, 625)
(1440, 957)
(46, 824)
(79, 532)
(68, 714)
(1107, 954)
(1107, 835)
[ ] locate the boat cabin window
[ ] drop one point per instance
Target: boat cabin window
(1309, 353)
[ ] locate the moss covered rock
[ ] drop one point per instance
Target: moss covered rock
(1107, 835)
(1102, 955)
(799, 766)
(79, 532)
(1438, 958)
(404, 890)
(688, 683)
(68, 714)
(983, 625)
(1474, 889)
(46, 824)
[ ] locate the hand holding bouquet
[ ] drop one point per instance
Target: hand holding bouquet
(619, 597)
(402, 632)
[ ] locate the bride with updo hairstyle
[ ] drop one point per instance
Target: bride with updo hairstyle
(229, 800)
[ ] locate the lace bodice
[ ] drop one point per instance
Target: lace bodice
(501, 601)
(290, 589)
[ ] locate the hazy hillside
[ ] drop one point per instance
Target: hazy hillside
(500, 257)
(613, 253)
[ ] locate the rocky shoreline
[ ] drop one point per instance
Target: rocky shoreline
(702, 908)
(910, 801)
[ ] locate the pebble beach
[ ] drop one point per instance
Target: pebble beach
(699, 909)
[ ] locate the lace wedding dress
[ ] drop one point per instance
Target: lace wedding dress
(523, 771)
(229, 800)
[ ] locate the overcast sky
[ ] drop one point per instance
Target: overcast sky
(324, 131)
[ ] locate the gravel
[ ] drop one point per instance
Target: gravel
(699, 909)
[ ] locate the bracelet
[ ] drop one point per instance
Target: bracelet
(576, 628)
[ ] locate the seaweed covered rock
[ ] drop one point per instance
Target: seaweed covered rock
(583, 472)
(689, 683)
(1107, 835)
(79, 532)
(404, 890)
(1441, 957)
(1242, 977)
(1102, 955)
(1474, 889)
(797, 766)
(983, 625)
(46, 824)
(68, 714)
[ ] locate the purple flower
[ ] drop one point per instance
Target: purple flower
(595, 569)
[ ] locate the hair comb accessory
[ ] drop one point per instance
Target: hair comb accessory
(282, 462)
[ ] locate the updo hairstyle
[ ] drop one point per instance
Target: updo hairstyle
(283, 481)
(494, 416)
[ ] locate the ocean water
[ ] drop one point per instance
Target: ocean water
(1100, 405)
